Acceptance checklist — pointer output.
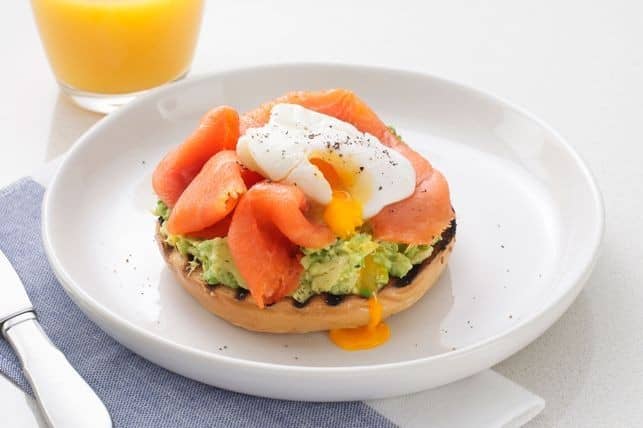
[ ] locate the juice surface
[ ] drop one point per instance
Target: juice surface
(118, 46)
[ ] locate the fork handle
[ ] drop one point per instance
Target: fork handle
(64, 397)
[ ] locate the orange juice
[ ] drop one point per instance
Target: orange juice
(118, 46)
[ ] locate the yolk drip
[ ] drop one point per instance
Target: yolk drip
(370, 275)
(368, 336)
(344, 213)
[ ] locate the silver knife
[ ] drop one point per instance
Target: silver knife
(65, 399)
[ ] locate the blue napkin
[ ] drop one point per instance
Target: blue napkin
(136, 392)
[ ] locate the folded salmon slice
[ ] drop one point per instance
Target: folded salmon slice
(217, 230)
(218, 130)
(267, 228)
(221, 227)
(418, 219)
(210, 197)
(339, 103)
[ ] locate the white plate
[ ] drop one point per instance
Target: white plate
(530, 221)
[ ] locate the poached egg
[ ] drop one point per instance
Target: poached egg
(350, 173)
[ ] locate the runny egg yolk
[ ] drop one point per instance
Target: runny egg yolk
(368, 336)
(344, 213)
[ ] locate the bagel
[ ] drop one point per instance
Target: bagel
(321, 312)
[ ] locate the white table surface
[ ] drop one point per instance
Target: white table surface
(576, 64)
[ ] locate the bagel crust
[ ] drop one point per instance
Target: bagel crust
(320, 312)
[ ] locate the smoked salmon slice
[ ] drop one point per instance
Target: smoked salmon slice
(220, 229)
(217, 230)
(218, 130)
(210, 197)
(344, 105)
(418, 219)
(339, 103)
(268, 225)
(285, 206)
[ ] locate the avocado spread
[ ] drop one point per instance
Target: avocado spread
(355, 265)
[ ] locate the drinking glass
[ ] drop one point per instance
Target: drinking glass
(105, 52)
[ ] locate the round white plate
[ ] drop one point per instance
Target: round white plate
(530, 221)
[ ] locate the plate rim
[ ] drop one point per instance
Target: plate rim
(574, 284)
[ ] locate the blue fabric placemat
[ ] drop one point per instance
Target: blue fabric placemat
(136, 392)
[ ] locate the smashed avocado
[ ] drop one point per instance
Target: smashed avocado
(213, 255)
(356, 265)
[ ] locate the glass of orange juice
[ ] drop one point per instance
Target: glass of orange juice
(105, 52)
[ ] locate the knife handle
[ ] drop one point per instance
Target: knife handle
(64, 397)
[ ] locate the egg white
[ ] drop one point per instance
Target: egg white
(281, 150)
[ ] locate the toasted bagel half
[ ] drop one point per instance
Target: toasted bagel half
(320, 312)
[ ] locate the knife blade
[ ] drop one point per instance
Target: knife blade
(14, 299)
(63, 396)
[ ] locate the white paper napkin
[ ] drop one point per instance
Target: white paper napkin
(486, 399)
